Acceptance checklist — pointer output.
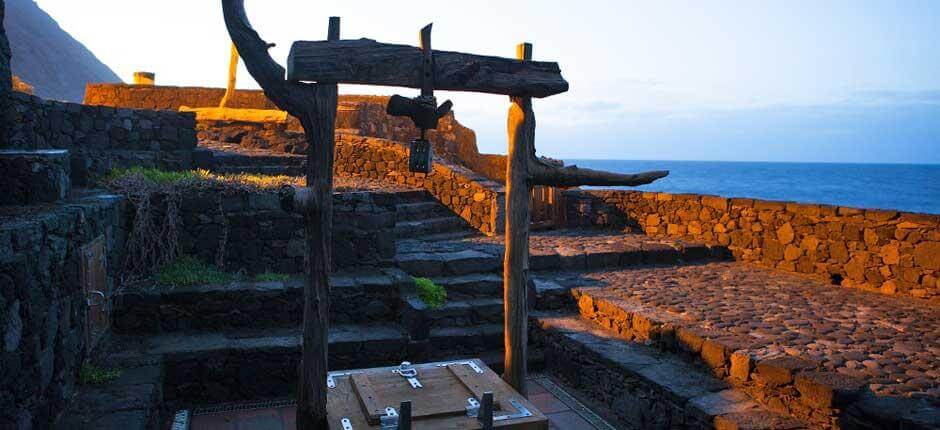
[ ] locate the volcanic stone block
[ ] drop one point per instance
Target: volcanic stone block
(825, 390)
(34, 176)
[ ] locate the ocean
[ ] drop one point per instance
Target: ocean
(905, 187)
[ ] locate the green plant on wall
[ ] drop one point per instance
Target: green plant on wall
(90, 374)
(188, 270)
(430, 293)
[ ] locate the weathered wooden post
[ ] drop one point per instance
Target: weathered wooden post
(314, 104)
(232, 76)
(521, 127)
(319, 124)
(523, 170)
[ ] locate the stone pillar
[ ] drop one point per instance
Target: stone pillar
(145, 78)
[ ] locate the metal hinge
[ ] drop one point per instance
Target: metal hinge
(347, 424)
(389, 421)
(473, 365)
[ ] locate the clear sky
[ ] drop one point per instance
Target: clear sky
(838, 81)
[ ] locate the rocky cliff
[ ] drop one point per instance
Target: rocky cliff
(47, 57)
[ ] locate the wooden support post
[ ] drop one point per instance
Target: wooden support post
(521, 127)
(319, 121)
(232, 72)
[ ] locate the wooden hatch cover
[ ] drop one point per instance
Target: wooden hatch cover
(358, 399)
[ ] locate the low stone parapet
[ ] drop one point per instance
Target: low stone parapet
(887, 251)
(34, 176)
(100, 138)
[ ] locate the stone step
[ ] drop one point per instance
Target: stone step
(469, 341)
(420, 319)
(415, 196)
(642, 385)
(361, 296)
(132, 401)
(271, 170)
(421, 211)
(205, 368)
(448, 263)
(471, 285)
(223, 366)
(428, 226)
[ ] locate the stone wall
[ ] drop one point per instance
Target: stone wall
(474, 198)
(42, 306)
(261, 234)
(169, 98)
(5, 76)
(99, 138)
(881, 250)
(356, 114)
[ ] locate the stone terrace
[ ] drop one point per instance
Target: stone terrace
(794, 344)
(893, 343)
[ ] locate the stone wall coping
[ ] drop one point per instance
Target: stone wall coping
(57, 153)
(790, 206)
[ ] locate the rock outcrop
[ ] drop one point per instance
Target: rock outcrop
(48, 57)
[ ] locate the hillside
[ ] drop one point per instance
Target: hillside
(47, 57)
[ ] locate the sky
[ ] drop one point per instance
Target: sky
(802, 81)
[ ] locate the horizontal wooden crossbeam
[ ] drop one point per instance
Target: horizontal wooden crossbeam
(366, 61)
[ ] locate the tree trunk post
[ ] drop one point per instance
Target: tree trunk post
(521, 127)
(319, 123)
(232, 72)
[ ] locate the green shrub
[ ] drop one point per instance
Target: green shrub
(430, 293)
(272, 277)
(187, 271)
(90, 374)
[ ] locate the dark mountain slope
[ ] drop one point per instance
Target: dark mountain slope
(47, 57)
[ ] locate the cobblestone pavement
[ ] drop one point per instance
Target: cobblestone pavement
(564, 242)
(893, 342)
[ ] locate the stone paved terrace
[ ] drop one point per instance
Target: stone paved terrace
(891, 343)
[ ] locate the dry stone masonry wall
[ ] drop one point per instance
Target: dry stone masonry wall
(880, 250)
(42, 306)
(474, 198)
(356, 114)
(258, 232)
(100, 138)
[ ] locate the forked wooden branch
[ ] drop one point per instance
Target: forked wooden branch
(254, 50)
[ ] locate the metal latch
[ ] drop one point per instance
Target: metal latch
(389, 421)
(409, 372)
(347, 424)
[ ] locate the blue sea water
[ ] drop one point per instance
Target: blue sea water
(905, 187)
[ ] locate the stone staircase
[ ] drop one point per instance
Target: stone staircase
(421, 215)
(220, 158)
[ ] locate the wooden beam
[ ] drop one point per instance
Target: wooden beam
(521, 127)
(366, 61)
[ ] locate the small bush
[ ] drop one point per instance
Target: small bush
(430, 293)
(90, 374)
(188, 271)
(272, 277)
